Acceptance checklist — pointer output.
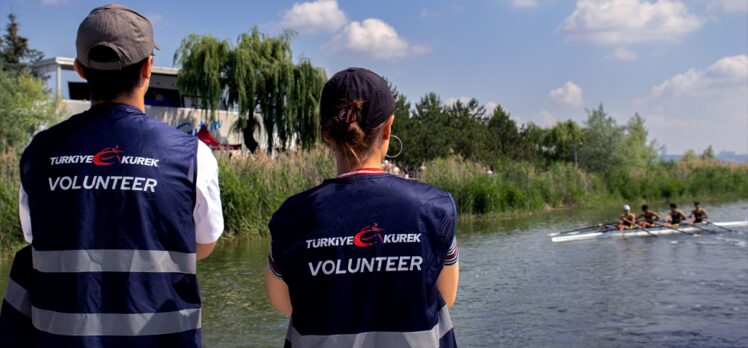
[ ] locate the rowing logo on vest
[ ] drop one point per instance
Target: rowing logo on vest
(368, 236)
(108, 156)
(364, 238)
(104, 158)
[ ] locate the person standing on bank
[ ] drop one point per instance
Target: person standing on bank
(117, 207)
(366, 259)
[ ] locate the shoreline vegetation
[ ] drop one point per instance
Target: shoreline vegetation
(254, 186)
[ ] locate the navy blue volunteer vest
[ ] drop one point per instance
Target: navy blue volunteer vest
(111, 196)
(361, 256)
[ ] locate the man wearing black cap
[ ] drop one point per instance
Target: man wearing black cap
(117, 207)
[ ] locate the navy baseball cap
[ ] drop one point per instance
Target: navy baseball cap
(358, 84)
(125, 31)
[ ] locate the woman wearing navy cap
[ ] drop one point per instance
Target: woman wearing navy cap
(366, 259)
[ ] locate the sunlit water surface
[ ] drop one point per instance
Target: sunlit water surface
(517, 289)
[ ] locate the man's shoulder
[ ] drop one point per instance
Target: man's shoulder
(59, 129)
(148, 122)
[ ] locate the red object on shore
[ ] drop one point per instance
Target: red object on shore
(205, 136)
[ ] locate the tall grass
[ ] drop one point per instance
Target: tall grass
(254, 186)
(10, 226)
(508, 187)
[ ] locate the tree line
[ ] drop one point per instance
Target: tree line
(25, 105)
(257, 76)
(432, 129)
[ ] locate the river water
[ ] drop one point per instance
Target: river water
(518, 289)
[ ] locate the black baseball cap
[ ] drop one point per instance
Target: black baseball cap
(362, 84)
(120, 28)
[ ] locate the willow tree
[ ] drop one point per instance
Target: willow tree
(259, 77)
(203, 61)
(304, 105)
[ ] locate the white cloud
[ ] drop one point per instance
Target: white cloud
(730, 6)
(570, 94)
(546, 119)
(315, 17)
(701, 107)
(375, 38)
(615, 22)
(623, 53)
(727, 75)
(525, 3)
(490, 106)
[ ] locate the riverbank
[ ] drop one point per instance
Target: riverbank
(254, 186)
(520, 187)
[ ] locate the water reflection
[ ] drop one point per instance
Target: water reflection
(518, 289)
(236, 311)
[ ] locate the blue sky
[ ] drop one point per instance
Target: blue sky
(682, 64)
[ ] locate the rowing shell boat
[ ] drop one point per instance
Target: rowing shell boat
(657, 231)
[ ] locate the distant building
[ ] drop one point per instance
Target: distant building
(668, 157)
(732, 156)
(163, 100)
(725, 156)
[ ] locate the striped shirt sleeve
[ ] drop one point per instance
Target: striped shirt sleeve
(450, 235)
(453, 253)
(274, 269)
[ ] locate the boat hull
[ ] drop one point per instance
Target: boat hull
(658, 231)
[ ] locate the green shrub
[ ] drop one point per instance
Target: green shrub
(253, 187)
(520, 186)
(10, 228)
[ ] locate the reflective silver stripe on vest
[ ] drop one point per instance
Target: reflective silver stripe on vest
(101, 260)
(415, 339)
(18, 297)
(115, 324)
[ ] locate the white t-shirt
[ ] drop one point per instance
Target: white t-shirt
(207, 214)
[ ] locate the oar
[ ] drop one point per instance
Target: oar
(610, 227)
(649, 233)
(718, 226)
(577, 230)
(671, 226)
(701, 228)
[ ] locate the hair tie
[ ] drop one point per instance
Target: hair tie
(348, 115)
(350, 111)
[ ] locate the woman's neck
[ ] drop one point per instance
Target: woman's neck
(346, 166)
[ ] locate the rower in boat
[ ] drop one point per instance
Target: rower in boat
(627, 221)
(675, 217)
(698, 213)
(649, 218)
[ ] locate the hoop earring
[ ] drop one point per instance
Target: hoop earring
(401, 147)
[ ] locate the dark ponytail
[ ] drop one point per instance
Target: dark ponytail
(346, 133)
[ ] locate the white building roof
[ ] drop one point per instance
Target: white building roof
(50, 65)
